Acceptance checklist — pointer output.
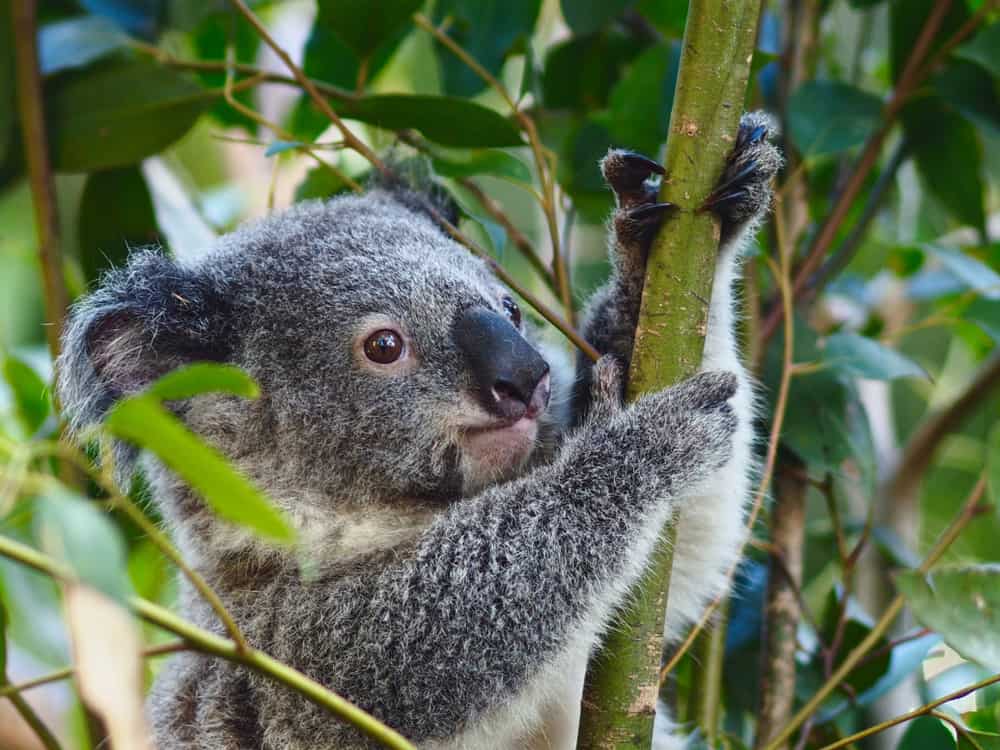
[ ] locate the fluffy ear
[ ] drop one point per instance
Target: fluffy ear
(146, 318)
(411, 181)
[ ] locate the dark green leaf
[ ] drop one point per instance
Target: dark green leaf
(979, 741)
(143, 421)
(579, 173)
(864, 3)
(828, 116)
(963, 605)
(640, 103)
(862, 357)
(984, 49)
(119, 114)
(668, 17)
(968, 269)
(319, 183)
(488, 30)
(993, 466)
(116, 214)
(8, 110)
(364, 25)
(447, 120)
(856, 627)
(580, 72)
(588, 16)
(949, 157)
(203, 377)
(906, 21)
(75, 42)
(926, 733)
(220, 30)
(457, 164)
(31, 394)
(76, 531)
(971, 91)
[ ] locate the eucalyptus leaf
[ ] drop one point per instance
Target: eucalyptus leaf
(203, 377)
(587, 16)
(993, 465)
(968, 269)
(364, 25)
(76, 531)
(143, 421)
(641, 101)
(984, 48)
(118, 114)
(826, 117)
(963, 605)
(457, 164)
(861, 357)
(75, 42)
(31, 394)
(8, 110)
(926, 733)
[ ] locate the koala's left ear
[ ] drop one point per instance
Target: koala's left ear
(147, 318)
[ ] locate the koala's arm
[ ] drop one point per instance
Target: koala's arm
(742, 198)
(501, 584)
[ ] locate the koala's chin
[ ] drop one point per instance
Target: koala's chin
(497, 452)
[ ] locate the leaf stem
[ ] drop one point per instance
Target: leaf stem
(210, 643)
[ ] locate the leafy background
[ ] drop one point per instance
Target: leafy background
(900, 324)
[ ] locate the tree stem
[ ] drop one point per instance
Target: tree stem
(623, 681)
(36, 150)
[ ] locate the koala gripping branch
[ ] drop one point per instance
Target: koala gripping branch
(623, 681)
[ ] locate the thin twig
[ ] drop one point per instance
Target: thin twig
(969, 510)
(560, 274)
(207, 642)
(351, 140)
(36, 150)
(925, 709)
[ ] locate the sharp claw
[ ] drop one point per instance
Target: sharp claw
(744, 173)
(719, 199)
(649, 211)
(647, 164)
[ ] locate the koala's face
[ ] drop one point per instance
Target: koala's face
(391, 361)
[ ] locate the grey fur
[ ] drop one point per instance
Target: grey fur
(442, 599)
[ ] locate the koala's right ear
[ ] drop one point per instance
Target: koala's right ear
(147, 318)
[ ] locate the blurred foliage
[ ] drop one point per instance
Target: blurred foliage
(147, 149)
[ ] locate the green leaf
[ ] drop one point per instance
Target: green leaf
(8, 109)
(993, 466)
(120, 113)
(861, 357)
(203, 377)
(926, 733)
(983, 49)
(828, 116)
(143, 421)
(116, 214)
(971, 91)
(458, 164)
(963, 605)
(588, 16)
(447, 120)
(364, 25)
(3, 641)
(216, 32)
(489, 30)
(640, 103)
(856, 627)
(76, 531)
(75, 42)
(31, 394)
(319, 183)
(969, 270)
(580, 73)
(906, 22)
(982, 740)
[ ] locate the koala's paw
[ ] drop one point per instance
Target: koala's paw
(638, 215)
(744, 190)
(696, 423)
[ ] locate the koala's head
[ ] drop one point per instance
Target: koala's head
(393, 365)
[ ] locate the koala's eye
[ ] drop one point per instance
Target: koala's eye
(384, 347)
(513, 311)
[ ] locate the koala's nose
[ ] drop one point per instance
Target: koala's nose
(510, 377)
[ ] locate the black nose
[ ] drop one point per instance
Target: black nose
(507, 371)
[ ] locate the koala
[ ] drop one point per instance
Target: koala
(470, 515)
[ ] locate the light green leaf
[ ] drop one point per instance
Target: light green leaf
(969, 270)
(447, 120)
(143, 421)
(76, 531)
(75, 42)
(31, 394)
(120, 113)
(862, 357)
(926, 733)
(984, 49)
(828, 116)
(641, 101)
(458, 164)
(203, 377)
(3, 640)
(963, 605)
(979, 741)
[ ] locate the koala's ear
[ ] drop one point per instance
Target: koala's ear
(146, 318)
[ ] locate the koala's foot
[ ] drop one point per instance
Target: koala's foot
(744, 190)
(638, 215)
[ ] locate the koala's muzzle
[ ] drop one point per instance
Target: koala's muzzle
(510, 378)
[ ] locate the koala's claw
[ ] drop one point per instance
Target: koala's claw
(628, 174)
(744, 190)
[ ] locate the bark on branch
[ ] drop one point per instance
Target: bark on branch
(623, 682)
